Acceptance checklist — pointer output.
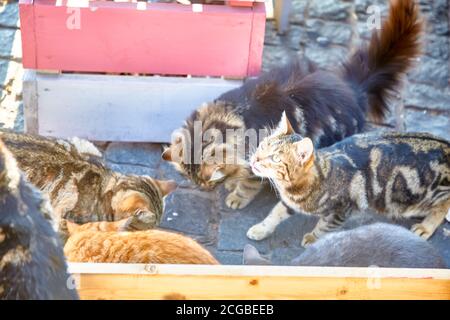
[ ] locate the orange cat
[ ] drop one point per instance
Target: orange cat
(100, 242)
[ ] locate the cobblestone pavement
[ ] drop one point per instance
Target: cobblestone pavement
(322, 30)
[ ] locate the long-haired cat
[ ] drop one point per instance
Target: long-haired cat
(379, 244)
(88, 244)
(81, 188)
(324, 105)
(400, 175)
(32, 263)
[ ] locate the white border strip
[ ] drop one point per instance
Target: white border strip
(272, 271)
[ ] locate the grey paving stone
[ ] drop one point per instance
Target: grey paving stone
(6, 40)
(426, 96)
(3, 72)
(188, 211)
(335, 32)
(233, 230)
(299, 8)
(361, 6)
(9, 15)
(329, 9)
(422, 121)
(431, 71)
(132, 169)
(146, 154)
(437, 47)
(168, 172)
(326, 57)
(291, 231)
(229, 257)
(275, 55)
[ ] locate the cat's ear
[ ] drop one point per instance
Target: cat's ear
(217, 175)
(167, 154)
(304, 149)
(284, 126)
(72, 227)
(251, 256)
(174, 152)
(166, 186)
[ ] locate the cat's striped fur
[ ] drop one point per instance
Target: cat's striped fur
(81, 188)
(324, 105)
(400, 175)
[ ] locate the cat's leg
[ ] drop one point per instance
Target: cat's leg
(324, 225)
(430, 223)
(265, 228)
(244, 192)
(230, 184)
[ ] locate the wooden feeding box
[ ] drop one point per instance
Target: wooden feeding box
(140, 281)
(132, 71)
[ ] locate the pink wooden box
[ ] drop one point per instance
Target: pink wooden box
(150, 38)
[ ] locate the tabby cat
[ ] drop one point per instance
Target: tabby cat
(32, 264)
(81, 189)
(325, 105)
(378, 244)
(87, 244)
(395, 174)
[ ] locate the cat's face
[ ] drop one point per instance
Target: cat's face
(205, 156)
(283, 155)
(141, 196)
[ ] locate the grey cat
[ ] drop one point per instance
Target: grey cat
(379, 244)
(32, 263)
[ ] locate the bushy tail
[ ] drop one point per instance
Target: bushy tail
(377, 68)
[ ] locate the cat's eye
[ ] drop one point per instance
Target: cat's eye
(275, 158)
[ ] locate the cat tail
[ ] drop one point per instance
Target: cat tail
(376, 70)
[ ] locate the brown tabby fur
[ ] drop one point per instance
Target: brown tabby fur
(324, 105)
(81, 188)
(87, 244)
(398, 175)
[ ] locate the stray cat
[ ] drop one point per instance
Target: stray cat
(378, 244)
(400, 175)
(324, 105)
(87, 244)
(81, 189)
(32, 263)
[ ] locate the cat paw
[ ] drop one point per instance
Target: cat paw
(421, 231)
(230, 185)
(259, 232)
(308, 239)
(233, 201)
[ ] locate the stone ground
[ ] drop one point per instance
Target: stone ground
(321, 30)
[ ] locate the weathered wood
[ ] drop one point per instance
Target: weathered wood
(30, 102)
(115, 108)
(119, 281)
(164, 38)
(282, 10)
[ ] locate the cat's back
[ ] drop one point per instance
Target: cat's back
(150, 246)
(32, 262)
(379, 244)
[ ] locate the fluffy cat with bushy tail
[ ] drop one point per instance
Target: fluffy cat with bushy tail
(326, 106)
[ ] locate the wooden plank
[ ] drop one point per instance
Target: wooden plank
(282, 10)
(164, 38)
(120, 108)
(30, 102)
(26, 12)
(116, 281)
(257, 39)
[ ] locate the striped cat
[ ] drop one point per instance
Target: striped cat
(32, 263)
(81, 189)
(379, 244)
(325, 105)
(87, 244)
(398, 175)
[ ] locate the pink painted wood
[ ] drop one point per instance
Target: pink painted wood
(159, 38)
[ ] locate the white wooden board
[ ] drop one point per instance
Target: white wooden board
(115, 108)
